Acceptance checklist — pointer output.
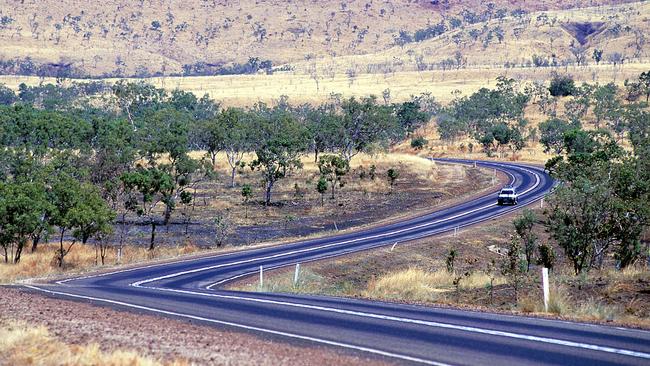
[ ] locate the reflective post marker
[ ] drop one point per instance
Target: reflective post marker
(545, 286)
(261, 277)
(295, 275)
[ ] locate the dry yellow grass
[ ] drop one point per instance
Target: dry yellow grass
(82, 258)
(25, 344)
(162, 36)
(85, 257)
(355, 189)
(245, 90)
(415, 284)
(562, 304)
(412, 284)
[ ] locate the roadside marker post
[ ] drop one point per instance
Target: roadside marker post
(546, 289)
(541, 203)
(119, 255)
(261, 277)
(296, 274)
(393, 247)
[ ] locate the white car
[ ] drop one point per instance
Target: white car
(507, 196)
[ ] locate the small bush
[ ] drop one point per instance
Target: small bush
(419, 142)
(562, 86)
(546, 256)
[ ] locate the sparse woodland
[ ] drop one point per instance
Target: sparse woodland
(323, 39)
(141, 130)
(90, 161)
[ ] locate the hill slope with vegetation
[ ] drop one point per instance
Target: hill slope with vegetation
(143, 38)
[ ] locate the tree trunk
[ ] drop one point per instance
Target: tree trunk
(213, 159)
(153, 235)
(315, 155)
(35, 241)
(19, 251)
(61, 249)
(269, 187)
(232, 177)
(167, 216)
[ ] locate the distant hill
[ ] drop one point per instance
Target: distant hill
(165, 37)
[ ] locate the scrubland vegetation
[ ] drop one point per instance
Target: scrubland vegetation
(592, 232)
(321, 40)
(25, 344)
(109, 166)
(205, 151)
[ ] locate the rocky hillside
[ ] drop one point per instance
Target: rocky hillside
(207, 37)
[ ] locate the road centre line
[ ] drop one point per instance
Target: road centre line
(61, 282)
(376, 236)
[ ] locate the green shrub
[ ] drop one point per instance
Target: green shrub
(562, 85)
(419, 142)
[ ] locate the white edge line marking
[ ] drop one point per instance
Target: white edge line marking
(427, 323)
(283, 254)
(247, 327)
(349, 312)
(61, 282)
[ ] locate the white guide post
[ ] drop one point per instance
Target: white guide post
(296, 274)
(119, 255)
(474, 163)
(541, 203)
(545, 286)
(261, 277)
(393, 247)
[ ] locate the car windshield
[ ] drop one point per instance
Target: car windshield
(507, 191)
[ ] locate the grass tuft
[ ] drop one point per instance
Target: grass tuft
(23, 344)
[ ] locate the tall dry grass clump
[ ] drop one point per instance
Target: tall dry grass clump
(82, 258)
(561, 303)
(419, 285)
(25, 344)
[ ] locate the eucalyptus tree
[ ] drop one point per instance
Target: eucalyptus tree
(333, 168)
(325, 127)
(552, 134)
(602, 204)
(365, 123)
(281, 140)
(78, 208)
(22, 206)
(134, 98)
(239, 136)
(167, 172)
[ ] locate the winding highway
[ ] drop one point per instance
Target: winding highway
(193, 289)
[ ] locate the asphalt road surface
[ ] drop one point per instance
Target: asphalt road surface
(192, 289)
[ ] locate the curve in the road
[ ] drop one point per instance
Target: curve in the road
(192, 289)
